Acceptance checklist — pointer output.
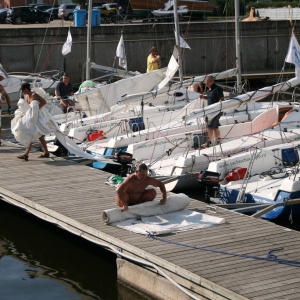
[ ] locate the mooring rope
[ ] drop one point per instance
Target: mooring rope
(270, 256)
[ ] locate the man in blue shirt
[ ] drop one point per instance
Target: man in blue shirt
(213, 95)
(63, 90)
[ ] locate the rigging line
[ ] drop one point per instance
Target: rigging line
(51, 49)
(270, 256)
(35, 71)
(168, 152)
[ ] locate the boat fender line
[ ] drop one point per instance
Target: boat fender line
(275, 173)
(236, 174)
(270, 256)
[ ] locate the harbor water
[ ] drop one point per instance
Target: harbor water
(41, 261)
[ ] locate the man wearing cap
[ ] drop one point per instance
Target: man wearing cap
(6, 97)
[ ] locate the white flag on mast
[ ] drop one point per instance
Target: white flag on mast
(67, 45)
(121, 53)
(293, 55)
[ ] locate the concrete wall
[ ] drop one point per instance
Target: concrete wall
(263, 45)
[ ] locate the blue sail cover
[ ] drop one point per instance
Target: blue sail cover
(290, 157)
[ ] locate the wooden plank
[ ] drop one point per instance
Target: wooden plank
(79, 207)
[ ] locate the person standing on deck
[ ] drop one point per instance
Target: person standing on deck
(153, 60)
(29, 97)
(214, 95)
(63, 90)
(6, 97)
(133, 189)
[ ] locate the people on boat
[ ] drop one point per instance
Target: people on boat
(63, 90)
(213, 95)
(133, 189)
(6, 97)
(153, 60)
(29, 97)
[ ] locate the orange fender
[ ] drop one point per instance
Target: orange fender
(236, 174)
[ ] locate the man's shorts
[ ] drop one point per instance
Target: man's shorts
(214, 122)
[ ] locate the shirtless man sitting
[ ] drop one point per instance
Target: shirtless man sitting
(133, 189)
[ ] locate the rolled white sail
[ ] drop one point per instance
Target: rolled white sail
(176, 85)
(244, 99)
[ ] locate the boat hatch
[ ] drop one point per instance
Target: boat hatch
(290, 157)
(137, 124)
(113, 151)
(199, 139)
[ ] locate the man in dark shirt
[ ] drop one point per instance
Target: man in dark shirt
(63, 90)
(213, 95)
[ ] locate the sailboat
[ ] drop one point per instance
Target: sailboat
(194, 7)
(12, 83)
(169, 10)
(270, 176)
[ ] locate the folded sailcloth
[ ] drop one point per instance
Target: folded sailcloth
(151, 217)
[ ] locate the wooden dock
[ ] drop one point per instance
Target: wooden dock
(73, 196)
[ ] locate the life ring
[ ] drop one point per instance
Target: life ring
(236, 174)
(96, 135)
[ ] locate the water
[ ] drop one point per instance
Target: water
(41, 261)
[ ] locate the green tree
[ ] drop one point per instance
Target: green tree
(226, 8)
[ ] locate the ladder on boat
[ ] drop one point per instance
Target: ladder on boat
(241, 194)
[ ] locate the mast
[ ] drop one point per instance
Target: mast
(237, 46)
(177, 39)
(88, 42)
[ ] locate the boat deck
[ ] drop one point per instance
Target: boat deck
(73, 196)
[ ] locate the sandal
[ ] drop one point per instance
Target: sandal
(24, 156)
(47, 155)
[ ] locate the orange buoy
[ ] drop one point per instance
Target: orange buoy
(96, 135)
(236, 174)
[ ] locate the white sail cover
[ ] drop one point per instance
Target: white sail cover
(171, 70)
(176, 85)
(114, 71)
(99, 100)
(243, 100)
